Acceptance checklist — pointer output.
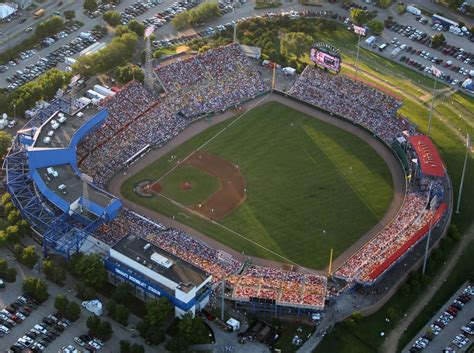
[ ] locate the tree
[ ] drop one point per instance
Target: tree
(23, 228)
(111, 307)
(61, 303)
(295, 43)
(358, 16)
(197, 15)
(90, 269)
(5, 143)
(17, 251)
(129, 72)
(6, 197)
(10, 275)
(376, 26)
(69, 14)
(36, 288)
(53, 272)
(13, 216)
(112, 18)
(104, 331)
(137, 348)
(191, 329)
(29, 257)
(3, 267)
(125, 346)
(177, 345)
(12, 233)
(3, 239)
(401, 9)
(437, 40)
(121, 314)
(157, 311)
(93, 323)
(154, 335)
(85, 292)
(453, 233)
(90, 5)
(73, 311)
(49, 27)
(123, 293)
(137, 27)
(384, 3)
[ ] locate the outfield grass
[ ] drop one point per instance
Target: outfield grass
(303, 177)
(203, 185)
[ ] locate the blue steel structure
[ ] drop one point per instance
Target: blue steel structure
(60, 229)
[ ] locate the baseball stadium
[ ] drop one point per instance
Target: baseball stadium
(290, 199)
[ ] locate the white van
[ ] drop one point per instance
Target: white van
(383, 46)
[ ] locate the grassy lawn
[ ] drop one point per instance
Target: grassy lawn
(302, 175)
(203, 185)
(288, 330)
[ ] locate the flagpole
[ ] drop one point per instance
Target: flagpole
(432, 103)
(463, 173)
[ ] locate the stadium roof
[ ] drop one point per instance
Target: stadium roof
(181, 272)
(63, 134)
(429, 158)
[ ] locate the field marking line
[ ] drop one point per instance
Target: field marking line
(176, 203)
(210, 140)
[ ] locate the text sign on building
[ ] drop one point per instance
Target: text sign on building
(137, 281)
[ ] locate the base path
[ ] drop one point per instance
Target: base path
(391, 343)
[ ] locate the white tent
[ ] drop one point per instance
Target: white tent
(235, 324)
(5, 11)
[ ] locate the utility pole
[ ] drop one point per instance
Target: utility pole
(360, 31)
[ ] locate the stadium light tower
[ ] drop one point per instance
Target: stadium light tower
(149, 76)
(361, 32)
(436, 73)
(468, 146)
(429, 233)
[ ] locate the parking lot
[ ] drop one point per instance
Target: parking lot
(408, 41)
(67, 337)
(451, 328)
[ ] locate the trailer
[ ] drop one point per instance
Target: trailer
(94, 95)
(414, 10)
(445, 22)
(104, 91)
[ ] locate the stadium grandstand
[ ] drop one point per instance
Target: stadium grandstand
(65, 155)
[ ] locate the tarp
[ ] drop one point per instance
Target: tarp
(430, 160)
(413, 239)
(5, 11)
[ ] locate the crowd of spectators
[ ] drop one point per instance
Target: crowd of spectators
(137, 121)
(285, 287)
(352, 100)
(412, 216)
(173, 241)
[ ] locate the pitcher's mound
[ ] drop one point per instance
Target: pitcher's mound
(186, 186)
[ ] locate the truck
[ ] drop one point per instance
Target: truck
(413, 10)
(39, 13)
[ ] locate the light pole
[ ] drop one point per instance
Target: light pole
(437, 73)
(429, 234)
(14, 111)
(360, 31)
(468, 145)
